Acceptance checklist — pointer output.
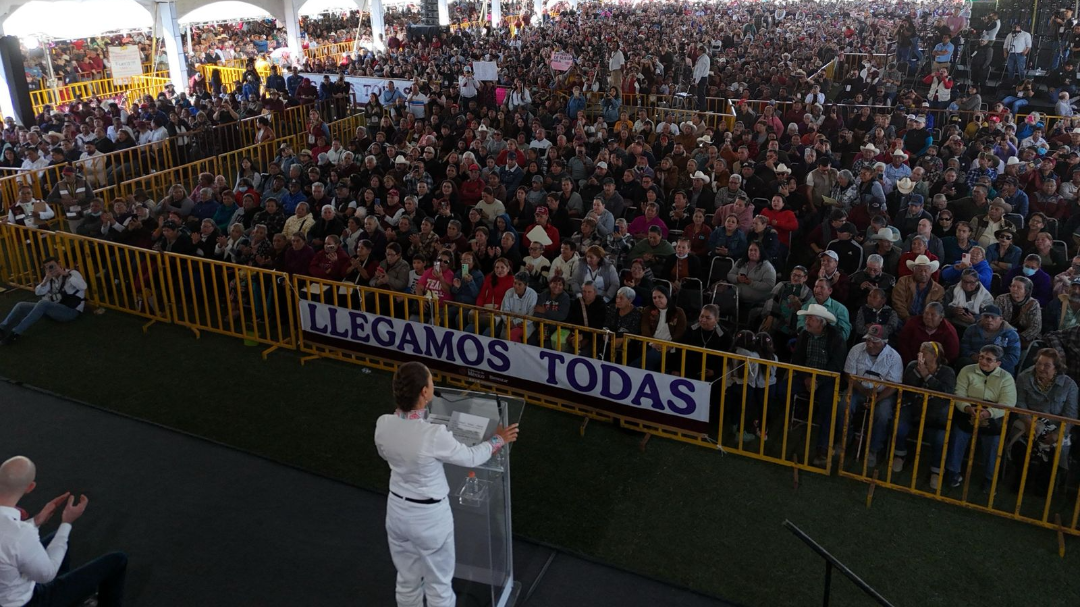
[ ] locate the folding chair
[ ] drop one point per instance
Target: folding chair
(1061, 245)
(1052, 226)
(1028, 358)
(718, 269)
(1017, 220)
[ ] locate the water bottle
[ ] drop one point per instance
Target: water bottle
(470, 493)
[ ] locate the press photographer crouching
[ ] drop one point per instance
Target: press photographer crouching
(63, 298)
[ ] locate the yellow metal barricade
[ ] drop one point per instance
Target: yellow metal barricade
(21, 251)
(118, 277)
(250, 303)
(158, 184)
(936, 428)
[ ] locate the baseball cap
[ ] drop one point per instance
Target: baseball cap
(829, 253)
(875, 333)
(990, 310)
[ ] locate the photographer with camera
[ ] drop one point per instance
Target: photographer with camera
(63, 298)
(1062, 25)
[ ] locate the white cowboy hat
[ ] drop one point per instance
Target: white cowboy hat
(870, 147)
(923, 260)
(899, 152)
(400, 160)
(781, 168)
(818, 310)
(905, 185)
(705, 139)
(885, 234)
(700, 175)
(1012, 161)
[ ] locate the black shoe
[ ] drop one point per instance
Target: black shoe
(9, 339)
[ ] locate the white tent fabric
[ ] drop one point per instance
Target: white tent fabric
(314, 7)
(224, 11)
(79, 18)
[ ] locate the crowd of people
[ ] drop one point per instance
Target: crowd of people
(915, 242)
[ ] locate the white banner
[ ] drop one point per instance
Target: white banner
(487, 71)
(363, 87)
(125, 62)
(547, 369)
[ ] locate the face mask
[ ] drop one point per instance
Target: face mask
(1029, 271)
(243, 188)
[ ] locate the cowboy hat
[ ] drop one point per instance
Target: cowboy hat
(905, 185)
(886, 234)
(705, 139)
(923, 260)
(1013, 160)
(700, 175)
(870, 147)
(998, 202)
(781, 168)
(899, 153)
(818, 310)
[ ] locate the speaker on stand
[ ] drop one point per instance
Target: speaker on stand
(15, 76)
(429, 12)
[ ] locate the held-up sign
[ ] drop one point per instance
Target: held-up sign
(562, 61)
(485, 70)
(125, 62)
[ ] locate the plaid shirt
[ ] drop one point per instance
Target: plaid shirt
(1067, 343)
(817, 352)
(975, 173)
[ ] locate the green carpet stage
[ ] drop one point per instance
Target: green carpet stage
(204, 524)
(683, 514)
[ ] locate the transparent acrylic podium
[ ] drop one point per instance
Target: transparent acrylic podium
(482, 530)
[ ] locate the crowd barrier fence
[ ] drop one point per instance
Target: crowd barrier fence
(799, 404)
(151, 83)
(927, 430)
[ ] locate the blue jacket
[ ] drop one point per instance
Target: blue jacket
(1009, 340)
(276, 82)
(736, 243)
(292, 83)
(575, 105)
(951, 276)
(611, 109)
(511, 179)
(289, 202)
(1011, 257)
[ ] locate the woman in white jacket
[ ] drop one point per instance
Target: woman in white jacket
(419, 522)
(964, 302)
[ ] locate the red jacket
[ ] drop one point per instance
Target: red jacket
(493, 290)
(329, 268)
(783, 221)
(552, 249)
(471, 191)
(914, 333)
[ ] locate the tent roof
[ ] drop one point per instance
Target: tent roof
(82, 18)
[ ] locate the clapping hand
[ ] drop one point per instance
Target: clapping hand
(73, 511)
(49, 510)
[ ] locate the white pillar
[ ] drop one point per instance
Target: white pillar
(7, 106)
(378, 26)
(444, 13)
(174, 45)
(292, 32)
(538, 12)
(496, 13)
